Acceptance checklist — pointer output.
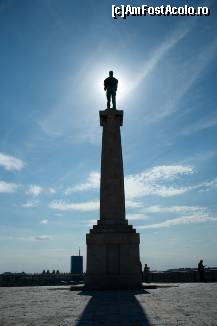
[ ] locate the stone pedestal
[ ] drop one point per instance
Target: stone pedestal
(112, 245)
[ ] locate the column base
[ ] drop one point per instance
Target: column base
(113, 261)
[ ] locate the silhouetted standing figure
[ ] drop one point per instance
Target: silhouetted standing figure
(146, 273)
(110, 86)
(201, 271)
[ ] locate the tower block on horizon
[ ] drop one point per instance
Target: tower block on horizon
(112, 245)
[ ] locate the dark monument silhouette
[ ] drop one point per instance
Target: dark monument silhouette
(112, 245)
(110, 86)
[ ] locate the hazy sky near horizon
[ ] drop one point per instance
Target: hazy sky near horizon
(55, 55)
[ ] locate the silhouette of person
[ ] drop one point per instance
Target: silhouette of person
(110, 86)
(201, 271)
(146, 273)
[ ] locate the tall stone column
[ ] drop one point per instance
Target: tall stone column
(112, 245)
(112, 201)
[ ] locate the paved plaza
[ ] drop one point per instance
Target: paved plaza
(177, 304)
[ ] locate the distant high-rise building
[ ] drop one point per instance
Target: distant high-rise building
(77, 264)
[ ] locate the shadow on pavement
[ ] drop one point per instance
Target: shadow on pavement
(113, 308)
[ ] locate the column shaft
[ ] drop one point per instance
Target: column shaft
(112, 199)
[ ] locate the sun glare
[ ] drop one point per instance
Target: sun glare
(123, 82)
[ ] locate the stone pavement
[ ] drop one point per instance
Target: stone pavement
(181, 304)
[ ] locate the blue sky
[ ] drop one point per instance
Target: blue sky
(54, 57)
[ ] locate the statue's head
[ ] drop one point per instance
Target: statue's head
(111, 73)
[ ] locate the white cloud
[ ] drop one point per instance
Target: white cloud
(44, 222)
(146, 183)
(136, 217)
(199, 125)
(33, 238)
(83, 207)
(167, 172)
(158, 55)
(172, 209)
(133, 204)
(11, 163)
(6, 187)
(201, 157)
(156, 181)
(195, 218)
(30, 204)
(90, 223)
(92, 183)
(164, 191)
(34, 190)
(206, 186)
(191, 71)
(59, 214)
(52, 191)
(150, 181)
(41, 237)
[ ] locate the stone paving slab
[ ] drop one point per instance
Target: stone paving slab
(183, 304)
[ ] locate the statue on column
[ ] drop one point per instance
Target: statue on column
(110, 86)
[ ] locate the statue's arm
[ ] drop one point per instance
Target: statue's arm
(116, 85)
(105, 87)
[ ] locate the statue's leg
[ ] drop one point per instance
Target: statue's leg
(114, 100)
(108, 99)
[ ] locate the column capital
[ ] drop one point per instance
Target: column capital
(111, 114)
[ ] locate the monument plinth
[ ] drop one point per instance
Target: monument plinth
(112, 245)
